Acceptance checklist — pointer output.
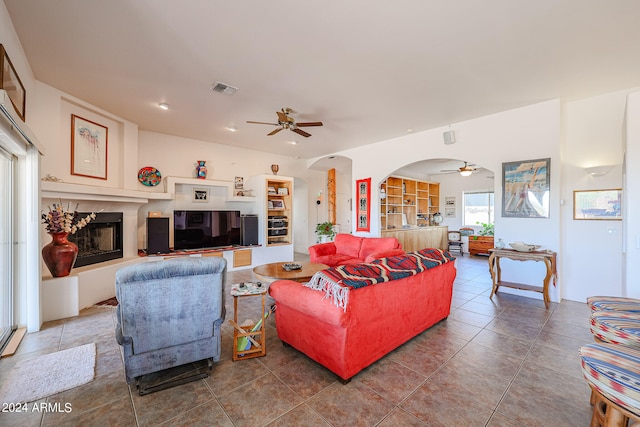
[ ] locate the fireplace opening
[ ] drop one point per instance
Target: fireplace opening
(100, 240)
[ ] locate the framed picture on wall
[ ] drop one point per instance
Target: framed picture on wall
(10, 82)
(363, 208)
(597, 204)
(525, 189)
(238, 183)
(88, 148)
(201, 195)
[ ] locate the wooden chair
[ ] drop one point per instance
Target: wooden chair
(455, 242)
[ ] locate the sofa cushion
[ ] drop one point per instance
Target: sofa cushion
(332, 260)
(347, 244)
(382, 254)
(378, 244)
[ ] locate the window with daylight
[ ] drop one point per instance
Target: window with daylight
(477, 207)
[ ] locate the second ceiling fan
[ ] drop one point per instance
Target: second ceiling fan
(285, 121)
(465, 170)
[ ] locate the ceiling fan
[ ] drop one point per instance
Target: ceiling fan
(465, 170)
(287, 122)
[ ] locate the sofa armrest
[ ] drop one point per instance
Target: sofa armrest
(306, 300)
(321, 249)
(383, 254)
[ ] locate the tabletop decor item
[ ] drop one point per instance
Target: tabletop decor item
(523, 247)
(149, 176)
(201, 170)
(291, 266)
(60, 254)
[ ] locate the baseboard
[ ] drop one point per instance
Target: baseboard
(14, 342)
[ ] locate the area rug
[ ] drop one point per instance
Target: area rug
(49, 374)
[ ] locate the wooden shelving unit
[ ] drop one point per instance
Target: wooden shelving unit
(279, 211)
(408, 202)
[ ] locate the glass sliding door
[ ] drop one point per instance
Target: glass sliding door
(7, 324)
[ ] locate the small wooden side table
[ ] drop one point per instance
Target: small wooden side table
(251, 336)
(548, 257)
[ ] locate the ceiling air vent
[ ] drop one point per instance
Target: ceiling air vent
(224, 88)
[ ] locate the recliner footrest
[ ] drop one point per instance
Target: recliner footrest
(604, 303)
(614, 371)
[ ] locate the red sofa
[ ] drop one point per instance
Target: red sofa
(349, 249)
(376, 320)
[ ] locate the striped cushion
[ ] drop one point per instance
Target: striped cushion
(614, 371)
(616, 327)
(600, 303)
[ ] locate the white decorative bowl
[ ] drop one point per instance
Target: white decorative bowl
(523, 247)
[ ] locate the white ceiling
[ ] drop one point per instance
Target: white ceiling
(369, 70)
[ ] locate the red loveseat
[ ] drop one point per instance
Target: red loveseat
(377, 318)
(350, 249)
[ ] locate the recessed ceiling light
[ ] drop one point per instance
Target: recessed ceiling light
(293, 142)
(232, 128)
(163, 105)
(410, 130)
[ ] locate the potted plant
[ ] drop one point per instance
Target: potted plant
(325, 232)
(487, 229)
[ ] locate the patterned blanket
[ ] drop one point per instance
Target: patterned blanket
(336, 282)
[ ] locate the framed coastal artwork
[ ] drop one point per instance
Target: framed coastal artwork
(88, 148)
(525, 189)
(597, 204)
(363, 208)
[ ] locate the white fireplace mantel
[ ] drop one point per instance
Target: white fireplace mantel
(54, 190)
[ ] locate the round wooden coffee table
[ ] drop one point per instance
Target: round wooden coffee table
(271, 272)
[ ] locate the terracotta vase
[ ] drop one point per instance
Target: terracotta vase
(60, 254)
(201, 170)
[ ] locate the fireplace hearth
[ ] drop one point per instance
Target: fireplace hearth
(100, 240)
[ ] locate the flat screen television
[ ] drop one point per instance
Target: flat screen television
(205, 229)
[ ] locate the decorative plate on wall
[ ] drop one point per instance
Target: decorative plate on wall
(149, 176)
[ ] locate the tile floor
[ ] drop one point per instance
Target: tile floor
(501, 362)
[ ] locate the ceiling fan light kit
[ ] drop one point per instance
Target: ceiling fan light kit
(465, 170)
(287, 122)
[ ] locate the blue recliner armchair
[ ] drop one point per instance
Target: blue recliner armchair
(169, 314)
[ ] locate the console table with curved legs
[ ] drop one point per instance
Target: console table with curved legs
(548, 257)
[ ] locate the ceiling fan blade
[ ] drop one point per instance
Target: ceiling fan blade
(273, 132)
(262, 123)
(301, 132)
(309, 124)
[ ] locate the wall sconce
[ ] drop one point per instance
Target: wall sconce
(599, 170)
